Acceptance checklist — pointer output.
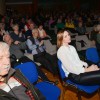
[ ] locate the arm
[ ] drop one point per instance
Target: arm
(84, 63)
(69, 62)
(22, 45)
(44, 33)
(30, 45)
(77, 57)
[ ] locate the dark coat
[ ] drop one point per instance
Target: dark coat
(18, 75)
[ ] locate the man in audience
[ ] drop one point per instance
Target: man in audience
(13, 85)
(17, 54)
(40, 55)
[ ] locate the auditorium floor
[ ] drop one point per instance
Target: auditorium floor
(70, 94)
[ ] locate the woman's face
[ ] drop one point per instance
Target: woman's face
(40, 27)
(80, 24)
(32, 26)
(66, 38)
(16, 28)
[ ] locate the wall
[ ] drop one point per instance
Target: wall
(2, 7)
(22, 8)
(55, 4)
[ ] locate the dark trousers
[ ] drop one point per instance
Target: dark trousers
(87, 78)
(48, 61)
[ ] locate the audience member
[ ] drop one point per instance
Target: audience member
(69, 23)
(93, 35)
(17, 56)
(16, 35)
(98, 38)
(13, 85)
(74, 68)
(39, 53)
(42, 33)
(81, 29)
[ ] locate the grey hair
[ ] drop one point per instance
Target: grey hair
(34, 30)
(4, 46)
(13, 26)
(98, 27)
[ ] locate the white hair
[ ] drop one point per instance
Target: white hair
(35, 29)
(4, 46)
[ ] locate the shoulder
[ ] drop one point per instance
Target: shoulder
(30, 39)
(62, 48)
(6, 96)
(72, 47)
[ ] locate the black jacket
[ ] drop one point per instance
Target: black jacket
(17, 74)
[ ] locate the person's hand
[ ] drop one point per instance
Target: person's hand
(41, 43)
(92, 68)
(16, 42)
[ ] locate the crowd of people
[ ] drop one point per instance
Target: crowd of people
(19, 34)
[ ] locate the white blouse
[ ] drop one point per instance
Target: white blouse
(71, 62)
(41, 33)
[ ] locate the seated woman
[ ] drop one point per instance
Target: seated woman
(16, 35)
(75, 69)
(69, 23)
(42, 33)
(81, 29)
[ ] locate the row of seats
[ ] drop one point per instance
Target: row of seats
(48, 89)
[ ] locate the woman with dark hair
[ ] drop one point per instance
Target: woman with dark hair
(74, 68)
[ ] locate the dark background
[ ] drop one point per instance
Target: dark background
(32, 6)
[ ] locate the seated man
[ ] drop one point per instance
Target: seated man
(36, 45)
(16, 53)
(13, 85)
(15, 49)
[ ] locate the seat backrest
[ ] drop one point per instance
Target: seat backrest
(82, 42)
(47, 43)
(29, 71)
(92, 55)
(50, 48)
(89, 29)
(62, 74)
